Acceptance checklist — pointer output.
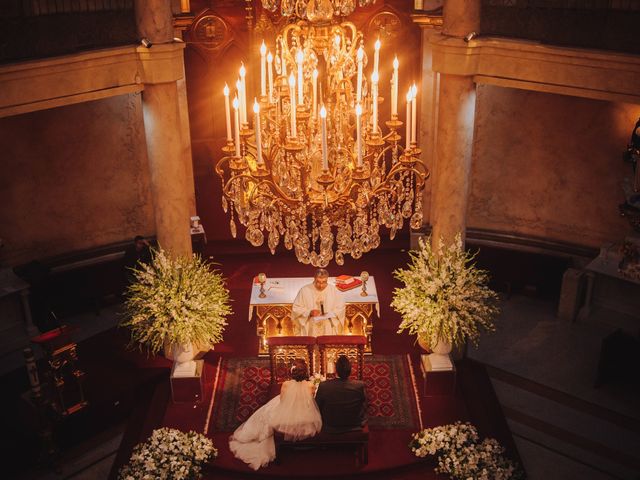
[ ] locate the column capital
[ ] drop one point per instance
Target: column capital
(161, 63)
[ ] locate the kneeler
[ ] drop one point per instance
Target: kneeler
(332, 346)
(282, 352)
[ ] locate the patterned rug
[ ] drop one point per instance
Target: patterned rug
(244, 386)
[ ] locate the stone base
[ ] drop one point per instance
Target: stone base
(187, 389)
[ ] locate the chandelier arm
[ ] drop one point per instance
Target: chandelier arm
(218, 167)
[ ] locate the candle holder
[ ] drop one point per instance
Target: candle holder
(262, 278)
(364, 276)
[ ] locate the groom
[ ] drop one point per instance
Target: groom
(341, 401)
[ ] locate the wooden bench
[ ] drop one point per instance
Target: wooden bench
(359, 440)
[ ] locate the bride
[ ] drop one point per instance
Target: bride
(294, 413)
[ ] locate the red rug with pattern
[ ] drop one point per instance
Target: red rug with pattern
(244, 386)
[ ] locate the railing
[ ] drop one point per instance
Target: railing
(44, 28)
(596, 24)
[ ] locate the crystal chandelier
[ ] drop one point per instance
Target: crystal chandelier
(315, 168)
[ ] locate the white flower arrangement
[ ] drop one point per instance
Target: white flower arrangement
(444, 297)
(169, 454)
(462, 456)
(316, 379)
(176, 301)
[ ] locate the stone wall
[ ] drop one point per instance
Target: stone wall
(73, 178)
(549, 165)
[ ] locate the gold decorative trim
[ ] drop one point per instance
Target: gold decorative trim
(425, 20)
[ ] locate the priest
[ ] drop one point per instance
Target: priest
(318, 308)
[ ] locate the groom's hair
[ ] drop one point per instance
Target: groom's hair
(343, 367)
(299, 370)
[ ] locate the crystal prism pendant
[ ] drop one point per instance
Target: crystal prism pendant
(319, 11)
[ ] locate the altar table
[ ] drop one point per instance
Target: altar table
(273, 313)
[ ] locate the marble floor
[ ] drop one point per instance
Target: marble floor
(543, 371)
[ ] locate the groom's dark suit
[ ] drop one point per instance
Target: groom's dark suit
(342, 405)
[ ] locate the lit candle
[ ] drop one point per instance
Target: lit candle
(292, 96)
(236, 115)
(376, 56)
(323, 116)
(374, 100)
(360, 56)
(299, 60)
(270, 74)
(284, 62)
(394, 88)
(263, 69)
(408, 120)
(359, 134)
(414, 95)
(314, 76)
(227, 112)
(256, 126)
(243, 94)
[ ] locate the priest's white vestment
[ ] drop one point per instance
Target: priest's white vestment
(328, 300)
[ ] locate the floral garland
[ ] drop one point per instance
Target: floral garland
(462, 456)
(178, 301)
(445, 297)
(169, 454)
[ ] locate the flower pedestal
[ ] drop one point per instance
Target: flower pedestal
(187, 388)
(438, 374)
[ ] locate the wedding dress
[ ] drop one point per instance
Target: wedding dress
(294, 413)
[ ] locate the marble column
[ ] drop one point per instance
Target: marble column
(171, 182)
(454, 138)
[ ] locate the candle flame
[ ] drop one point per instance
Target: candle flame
(256, 107)
(315, 73)
(243, 71)
(414, 90)
(358, 110)
(360, 54)
(292, 80)
(337, 40)
(396, 64)
(409, 96)
(374, 77)
(236, 103)
(238, 85)
(323, 112)
(269, 57)
(263, 48)
(377, 44)
(299, 56)
(225, 90)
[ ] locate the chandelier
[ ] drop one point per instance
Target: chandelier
(312, 166)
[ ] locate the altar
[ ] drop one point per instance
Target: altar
(272, 313)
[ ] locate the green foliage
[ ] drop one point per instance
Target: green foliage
(177, 301)
(445, 297)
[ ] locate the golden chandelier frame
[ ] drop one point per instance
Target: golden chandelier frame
(316, 170)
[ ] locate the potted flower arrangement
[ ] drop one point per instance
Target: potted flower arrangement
(175, 303)
(461, 454)
(169, 454)
(445, 299)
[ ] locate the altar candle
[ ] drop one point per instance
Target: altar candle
(236, 115)
(359, 133)
(414, 95)
(292, 97)
(408, 120)
(376, 56)
(256, 126)
(314, 76)
(243, 94)
(394, 88)
(299, 60)
(227, 112)
(360, 56)
(270, 75)
(263, 69)
(323, 116)
(374, 99)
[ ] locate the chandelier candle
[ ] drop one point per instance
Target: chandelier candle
(270, 75)
(359, 134)
(243, 95)
(325, 159)
(227, 112)
(263, 70)
(236, 124)
(394, 89)
(314, 76)
(374, 100)
(414, 95)
(292, 96)
(360, 57)
(256, 126)
(376, 56)
(408, 120)
(299, 61)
